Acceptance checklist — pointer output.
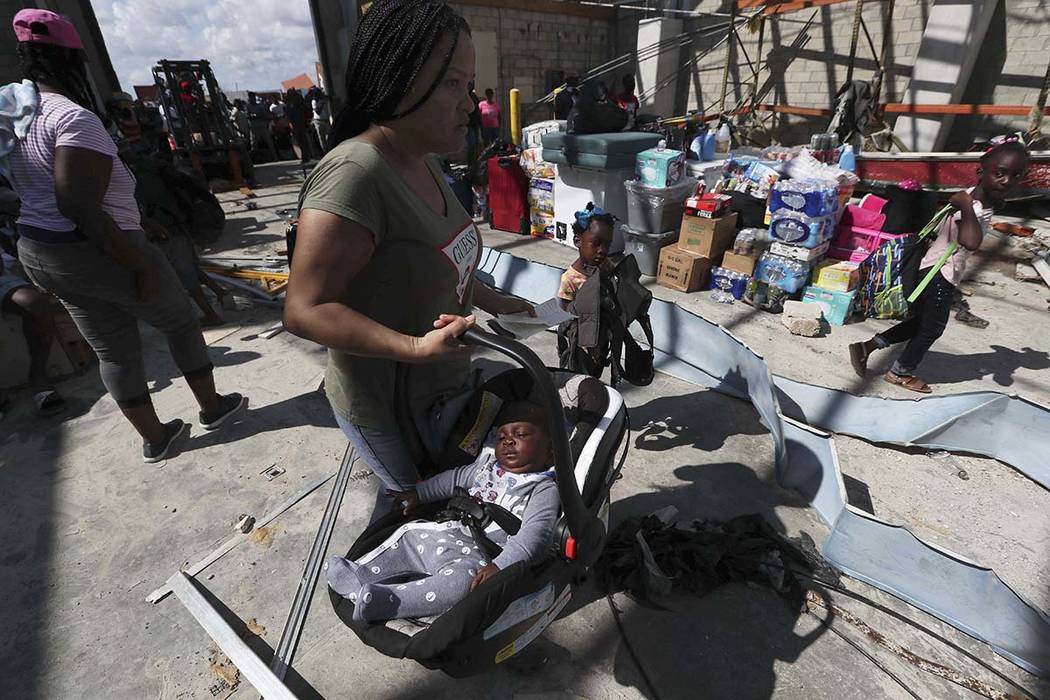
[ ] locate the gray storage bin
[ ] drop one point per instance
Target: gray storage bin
(646, 247)
(657, 209)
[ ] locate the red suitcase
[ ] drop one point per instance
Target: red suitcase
(508, 194)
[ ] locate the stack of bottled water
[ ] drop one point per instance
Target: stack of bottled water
(814, 198)
(803, 212)
(785, 273)
(728, 285)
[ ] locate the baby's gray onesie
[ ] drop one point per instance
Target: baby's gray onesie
(425, 568)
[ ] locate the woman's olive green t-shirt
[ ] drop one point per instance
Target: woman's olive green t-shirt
(423, 266)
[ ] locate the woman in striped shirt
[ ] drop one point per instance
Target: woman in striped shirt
(81, 238)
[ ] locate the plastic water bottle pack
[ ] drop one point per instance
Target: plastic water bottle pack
(801, 230)
(785, 273)
(810, 197)
(728, 285)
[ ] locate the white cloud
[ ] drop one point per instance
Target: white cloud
(251, 44)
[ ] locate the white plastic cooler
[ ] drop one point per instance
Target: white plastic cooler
(576, 186)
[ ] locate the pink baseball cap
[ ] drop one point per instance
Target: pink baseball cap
(46, 27)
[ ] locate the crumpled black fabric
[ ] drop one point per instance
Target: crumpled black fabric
(650, 559)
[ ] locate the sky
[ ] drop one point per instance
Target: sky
(251, 44)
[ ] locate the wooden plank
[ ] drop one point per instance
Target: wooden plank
(964, 109)
(550, 7)
(1043, 268)
(249, 664)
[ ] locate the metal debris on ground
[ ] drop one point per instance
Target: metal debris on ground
(949, 459)
(923, 664)
(272, 472)
(272, 331)
(245, 523)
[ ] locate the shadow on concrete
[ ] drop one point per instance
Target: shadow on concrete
(310, 408)
(30, 448)
(1001, 363)
(162, 372)
(702, 420)
(235, 236)
(285, 172)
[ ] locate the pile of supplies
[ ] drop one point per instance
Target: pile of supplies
(707, 231)
(655, 204)
(802, 218)
(541, 177)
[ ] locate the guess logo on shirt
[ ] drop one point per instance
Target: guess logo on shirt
(463, 251)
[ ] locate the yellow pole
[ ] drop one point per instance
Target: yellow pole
(515, 116)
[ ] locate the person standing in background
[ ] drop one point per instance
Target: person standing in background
(490, 117)
(627, 100)
(296, 109)
(566, 98)
(322, 107)
(474, 127)
(239, 118)
(259, 123)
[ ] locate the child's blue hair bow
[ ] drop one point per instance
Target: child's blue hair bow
(583, 218)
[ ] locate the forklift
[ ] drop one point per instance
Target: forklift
(198, 120)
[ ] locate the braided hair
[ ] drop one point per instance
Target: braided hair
(393, 41)
(1012, 145)
(59, 67)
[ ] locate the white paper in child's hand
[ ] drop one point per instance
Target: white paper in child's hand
(548, 315)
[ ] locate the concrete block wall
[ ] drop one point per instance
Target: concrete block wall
(531, 43)
(1011, 68)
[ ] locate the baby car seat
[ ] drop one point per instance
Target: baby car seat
(501, 617)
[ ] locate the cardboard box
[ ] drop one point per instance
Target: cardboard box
(707, 237)
(836, 275)
(797, 252)
(682, 270)
(744, 264)
(837, 306)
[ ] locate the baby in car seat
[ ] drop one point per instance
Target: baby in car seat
(425, 568)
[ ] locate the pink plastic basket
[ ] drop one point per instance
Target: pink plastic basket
(854, 243)
(867, 238)
(856, 255)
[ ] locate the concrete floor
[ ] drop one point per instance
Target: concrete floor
(90, 530)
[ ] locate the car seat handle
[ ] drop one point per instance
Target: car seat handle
(582, 525)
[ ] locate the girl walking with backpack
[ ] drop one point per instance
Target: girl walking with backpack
(959, 234)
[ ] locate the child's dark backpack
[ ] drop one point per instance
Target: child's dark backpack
(606, 306)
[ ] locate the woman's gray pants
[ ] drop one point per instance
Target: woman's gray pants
(100, 296)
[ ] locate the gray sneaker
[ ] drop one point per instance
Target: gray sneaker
(228, 405)
(158, 451)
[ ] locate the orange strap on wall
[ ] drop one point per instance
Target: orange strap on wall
(775, 7)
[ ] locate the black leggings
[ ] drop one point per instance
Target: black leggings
(928, 317)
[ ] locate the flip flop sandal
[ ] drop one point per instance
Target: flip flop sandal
(910, 383)
(48, 402)
(858, 357)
